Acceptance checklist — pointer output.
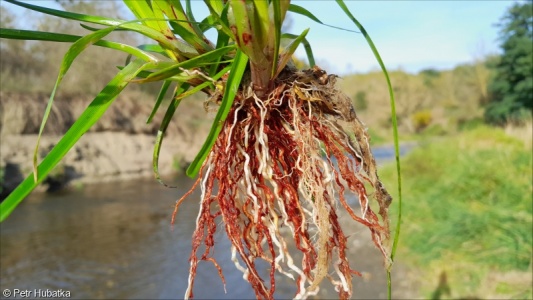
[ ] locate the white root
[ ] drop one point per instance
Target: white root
(256, 183)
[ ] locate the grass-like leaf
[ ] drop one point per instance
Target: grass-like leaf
(289, 51)
(152, 48)
(159, 99)
(261, 24)
(190, 16)
(200, 87)
(181, 93)
(241, 14)
(68, 59)
(239, 65)
(171, 109)
(218, 17)
(150, 17)
(276, 7)
(222, 41)
(394, 130)
(177, 68)
(69, 15)
(142, 29)
(216, 6)
(87, 119)
(304, 12)
(18, 34)
(90, 28)
(185, 28)
(307, 47)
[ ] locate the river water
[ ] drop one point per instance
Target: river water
(115, 241)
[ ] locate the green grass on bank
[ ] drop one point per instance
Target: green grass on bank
(468, 214)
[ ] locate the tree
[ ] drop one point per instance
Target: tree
(262, 166)
(512, 87)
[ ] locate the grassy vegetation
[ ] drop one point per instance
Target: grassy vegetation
(468, 213)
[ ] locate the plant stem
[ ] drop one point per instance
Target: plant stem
(261, 79)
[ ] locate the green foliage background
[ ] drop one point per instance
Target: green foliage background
(468, 213)
(511, 90)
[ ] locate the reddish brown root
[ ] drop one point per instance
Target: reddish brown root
(270, 171)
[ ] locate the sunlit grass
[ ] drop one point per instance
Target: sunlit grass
(522, 132)
(468, 213)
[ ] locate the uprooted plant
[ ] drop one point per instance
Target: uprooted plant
(286, 148)
(269, 167)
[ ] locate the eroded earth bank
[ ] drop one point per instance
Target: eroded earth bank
(118, 147)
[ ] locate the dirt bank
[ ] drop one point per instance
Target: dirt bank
(118, 147)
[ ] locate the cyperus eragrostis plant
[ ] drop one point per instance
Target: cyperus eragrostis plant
(285, 150)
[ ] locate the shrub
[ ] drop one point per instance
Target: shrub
(421, 119)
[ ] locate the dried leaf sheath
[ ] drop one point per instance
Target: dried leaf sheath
(270, 173)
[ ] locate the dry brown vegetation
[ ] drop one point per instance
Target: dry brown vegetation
(33, 66)
(435, 102)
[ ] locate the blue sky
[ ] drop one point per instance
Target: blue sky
(410, 35)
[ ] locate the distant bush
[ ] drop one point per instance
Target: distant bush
(421, 119)
(429, 75)
(464, 125)
(375, 137)
(435, 130)
(360, 101)
(452, 96)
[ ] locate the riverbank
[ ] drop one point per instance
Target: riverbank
(118, 147)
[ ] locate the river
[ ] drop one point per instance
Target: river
(115, 241)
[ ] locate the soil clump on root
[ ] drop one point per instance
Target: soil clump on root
(282, 162)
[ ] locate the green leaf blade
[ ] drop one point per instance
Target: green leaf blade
(219, 17)
(276, 8)
(18, 34)
(232, 86)
(177, 68)
(395, 134)
(142, 10)
(289, 51)
(171, 109)
(68, 59)
(95, 110)
(171, 44)
(307, 47)
(159, 99)
(180, 23)
(304, 12)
